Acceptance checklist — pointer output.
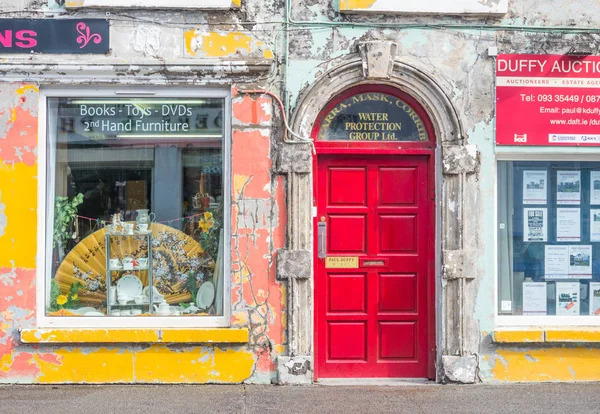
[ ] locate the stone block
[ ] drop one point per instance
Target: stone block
(461, 370)
(294, 158)
(378, 59)
(460, 159)
(295, 370)
(293, 264)
(454, 265)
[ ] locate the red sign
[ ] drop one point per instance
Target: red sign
(551, 100)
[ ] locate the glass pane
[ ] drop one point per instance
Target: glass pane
(549, 238)
(372, 116)
(136, 199)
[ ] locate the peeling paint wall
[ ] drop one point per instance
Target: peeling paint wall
(162, 38)
(457, 59)
(319, 38)
(258, 300)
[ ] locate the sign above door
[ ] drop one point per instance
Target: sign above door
(372, 116)
(73, 36)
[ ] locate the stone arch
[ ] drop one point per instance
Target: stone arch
(376, 63)
(402, 74)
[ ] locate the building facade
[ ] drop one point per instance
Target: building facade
(218, 191)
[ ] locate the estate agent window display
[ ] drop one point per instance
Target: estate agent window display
(549, 240)
(135, 201)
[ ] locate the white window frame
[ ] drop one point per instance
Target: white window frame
(528, 153)
(163, 4)
(46, 211)
(454, 7)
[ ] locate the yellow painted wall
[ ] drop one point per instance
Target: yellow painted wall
(544, 364)
(157, 364)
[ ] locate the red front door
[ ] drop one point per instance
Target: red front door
(374, 319)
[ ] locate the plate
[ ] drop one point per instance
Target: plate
(156, 296)
(129, 285)
(205, 295)
(93, 313)
(84, 310)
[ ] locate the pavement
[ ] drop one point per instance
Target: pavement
(265, 399)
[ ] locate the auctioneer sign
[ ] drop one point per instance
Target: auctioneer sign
(551, 100)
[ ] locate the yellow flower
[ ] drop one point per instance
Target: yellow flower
(61, 299)
(206, 225)
(74, 297)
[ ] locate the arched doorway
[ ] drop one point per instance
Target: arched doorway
(374, 236)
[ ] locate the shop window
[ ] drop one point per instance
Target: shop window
(549, 238)
(136, 202)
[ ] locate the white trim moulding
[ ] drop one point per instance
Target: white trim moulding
(205, 72)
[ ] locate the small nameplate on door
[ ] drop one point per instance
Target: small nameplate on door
(344, 262)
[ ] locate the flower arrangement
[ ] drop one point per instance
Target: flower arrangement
(207, 222)
(210, 225)
(68, 300)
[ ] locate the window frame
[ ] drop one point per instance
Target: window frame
(46, 209)
(530, 153)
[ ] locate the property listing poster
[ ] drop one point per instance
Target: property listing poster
(567, 298)
(568, 225)
(535, 188)
(594, 187)
(594, 298)
(556, 262)
(535, 222)
(534, 298)
(580, 261)
(568, 187)
(568, 262)
(594, 224)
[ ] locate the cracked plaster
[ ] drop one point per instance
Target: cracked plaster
(456, 58)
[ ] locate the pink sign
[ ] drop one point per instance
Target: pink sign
(551, 100)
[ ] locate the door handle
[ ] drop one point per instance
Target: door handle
(322, 238)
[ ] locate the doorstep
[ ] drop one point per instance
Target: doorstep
(173, 335)
(384, 382)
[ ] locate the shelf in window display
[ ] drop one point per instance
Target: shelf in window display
(123, 269)
(135, 233)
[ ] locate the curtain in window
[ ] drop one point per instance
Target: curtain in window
(505, 232)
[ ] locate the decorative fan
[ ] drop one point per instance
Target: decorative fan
(175, 258)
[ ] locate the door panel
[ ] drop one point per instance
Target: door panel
(372, 321)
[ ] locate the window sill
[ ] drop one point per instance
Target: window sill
(546, 335)
(200, 335)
